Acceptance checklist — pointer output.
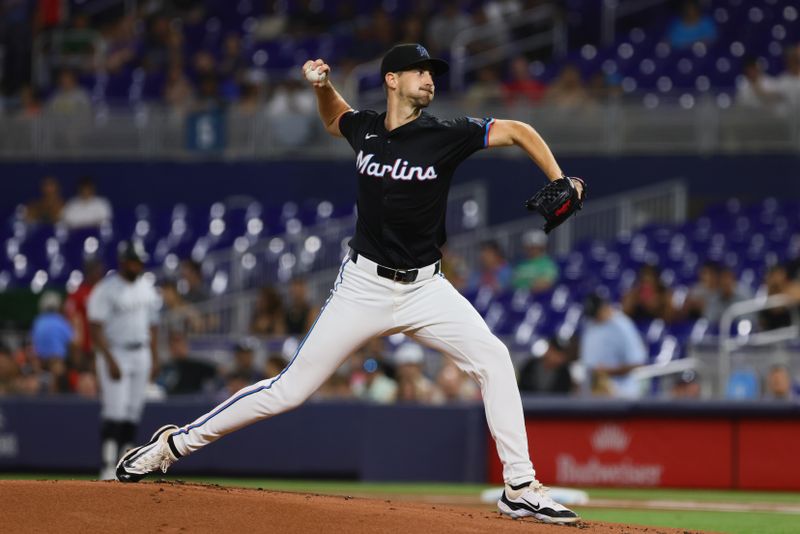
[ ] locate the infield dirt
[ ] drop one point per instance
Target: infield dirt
(71, 507)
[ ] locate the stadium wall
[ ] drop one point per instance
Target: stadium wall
(573, 442)
(510, 180)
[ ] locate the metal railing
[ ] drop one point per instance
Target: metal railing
(275, 259)
(730, 341)
(605, 218)
(665, 202)
(552, 33)
(666, 124)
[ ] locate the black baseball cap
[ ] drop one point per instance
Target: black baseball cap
(127, 250)
(409, 55)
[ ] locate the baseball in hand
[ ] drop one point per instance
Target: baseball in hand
(313, 75)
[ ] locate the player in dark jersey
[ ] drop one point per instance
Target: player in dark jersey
(391, 281)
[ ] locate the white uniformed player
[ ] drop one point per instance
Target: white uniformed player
(391, 282)
(123, 312)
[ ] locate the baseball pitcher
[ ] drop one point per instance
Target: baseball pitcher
(391, 281)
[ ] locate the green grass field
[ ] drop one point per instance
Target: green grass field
(737, 522)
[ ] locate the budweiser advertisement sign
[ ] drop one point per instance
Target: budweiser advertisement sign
(635, 452)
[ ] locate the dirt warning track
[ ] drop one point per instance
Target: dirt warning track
(71, 507)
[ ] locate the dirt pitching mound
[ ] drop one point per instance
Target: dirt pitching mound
(71, 507)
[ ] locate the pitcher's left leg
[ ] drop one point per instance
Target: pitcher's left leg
(439, 317)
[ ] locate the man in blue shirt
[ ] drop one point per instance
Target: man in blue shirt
(51, 337)
(611, 348)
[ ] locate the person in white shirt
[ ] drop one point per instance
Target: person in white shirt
(788, 83)
(123, 313)
(86, 209)
(757, 90)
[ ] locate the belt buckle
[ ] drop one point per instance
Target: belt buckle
(406, 276)
(397, 274)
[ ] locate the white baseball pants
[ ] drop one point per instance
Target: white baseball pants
(363, 305)
(123, 400)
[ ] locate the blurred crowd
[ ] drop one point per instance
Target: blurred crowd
(157, 44)
(600, 357)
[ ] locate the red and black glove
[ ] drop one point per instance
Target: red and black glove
(557, 201)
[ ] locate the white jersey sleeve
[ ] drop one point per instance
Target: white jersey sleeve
(155, 306)
(98, 307)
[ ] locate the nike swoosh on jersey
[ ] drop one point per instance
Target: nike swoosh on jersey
(370, 136)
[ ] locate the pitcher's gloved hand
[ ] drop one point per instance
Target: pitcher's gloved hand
(557, 201)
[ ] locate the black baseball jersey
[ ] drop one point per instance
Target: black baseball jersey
(403, 180)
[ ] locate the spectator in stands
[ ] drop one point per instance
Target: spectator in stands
(686, 386)
(778, 283)
(293, 97)
(272, 24)
(453, 385)
(30, 106)
(602, 87)
(231, 66)
(730, 292)
(290, 111)
(493, 44)
(69, 101)
(192, 275)
(177, 92)
(179, 315)
(702, 291)
(249, 103)
(521, 86)
(122, 44)
(487, 90)
(299, 314)
(371, 383)
(268, 316)
(9, 371)
(209, 97)
(548, 371)
(649, 298)
(610, 348)
(75, 311)
(445, 25)
(567, 92)
(494, 272)
(413, 385)
(157, 44)
(779, 384)
(788, 83)
(275, 364)
(691, 27)
(52, 337)
(233, 382)
(48, 208)
(183, 374)
(336, 387)
(538, 272)
(755, 89)
(454, 268)
(244, 359)
(86, 386)
(87, 209)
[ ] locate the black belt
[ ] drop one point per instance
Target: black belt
(133, 346)
(398, 275)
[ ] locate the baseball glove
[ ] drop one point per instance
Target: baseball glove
(557, 201)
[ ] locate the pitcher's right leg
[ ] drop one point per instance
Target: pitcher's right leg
(354, 313)
(359, 308)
